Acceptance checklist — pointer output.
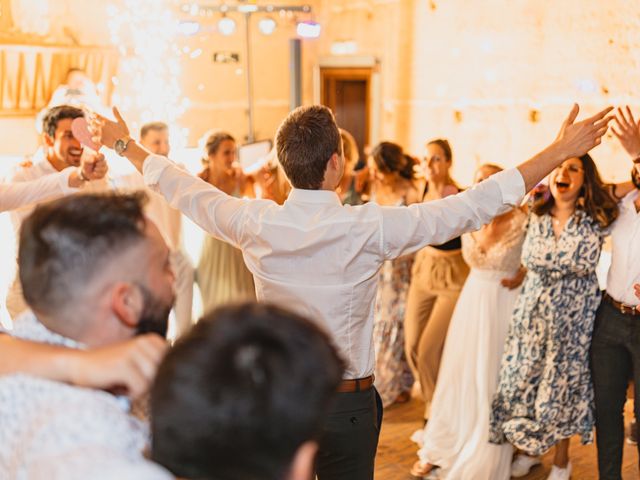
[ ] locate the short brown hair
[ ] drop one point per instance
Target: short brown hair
(152, 126)
(56, 114)
(305, 142)
(65, 243)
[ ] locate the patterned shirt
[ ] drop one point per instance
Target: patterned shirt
(51, 430)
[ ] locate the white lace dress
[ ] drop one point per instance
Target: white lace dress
(457, 436)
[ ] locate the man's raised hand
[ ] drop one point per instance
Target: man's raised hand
(576, 139)
(105, 131)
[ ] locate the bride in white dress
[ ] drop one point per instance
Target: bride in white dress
(455, 442)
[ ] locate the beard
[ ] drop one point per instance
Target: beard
(635, 178)
(154, 317)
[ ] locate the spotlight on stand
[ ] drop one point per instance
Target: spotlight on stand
(308, 29)
(267, 25)
(226, 25)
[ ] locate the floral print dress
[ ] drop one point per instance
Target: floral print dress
(544, 393)
(393, 375)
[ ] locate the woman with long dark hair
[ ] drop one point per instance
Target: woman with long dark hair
(392, 184)
(545, 395)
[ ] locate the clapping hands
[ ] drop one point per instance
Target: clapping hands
(576, 139)
(627, 130)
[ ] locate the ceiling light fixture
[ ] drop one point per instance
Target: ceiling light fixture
(267, 25)
(308, 29)
(226, 25)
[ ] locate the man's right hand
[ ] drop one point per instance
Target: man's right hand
(576, 139)
(128, 367)
(106, 132)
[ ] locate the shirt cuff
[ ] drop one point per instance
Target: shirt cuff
(152, 168)
(63, 179)
(511, 186)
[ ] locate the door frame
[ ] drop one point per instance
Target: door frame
(375, 93)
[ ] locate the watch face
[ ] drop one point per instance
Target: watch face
(119, 146)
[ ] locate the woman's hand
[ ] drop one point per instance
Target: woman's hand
(515, 281)
(627, 130)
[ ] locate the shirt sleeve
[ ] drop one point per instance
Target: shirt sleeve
(219, 214)
(407, 229)
(21, 194)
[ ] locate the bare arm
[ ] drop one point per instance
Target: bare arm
(128, 366)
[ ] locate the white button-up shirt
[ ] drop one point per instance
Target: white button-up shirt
(51, 430)
(320, 257)
(36, 168)
(17, 195)
(624, 271)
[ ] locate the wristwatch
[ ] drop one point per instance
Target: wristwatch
(121, 145)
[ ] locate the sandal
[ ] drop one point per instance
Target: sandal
(423, 471)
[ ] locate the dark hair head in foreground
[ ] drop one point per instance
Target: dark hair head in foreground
(241, 393)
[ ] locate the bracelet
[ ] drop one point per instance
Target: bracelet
(81, 176)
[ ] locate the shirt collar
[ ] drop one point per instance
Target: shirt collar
(321, 197)
(28, 327)
(629, 199)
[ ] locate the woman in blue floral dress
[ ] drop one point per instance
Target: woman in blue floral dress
(544, 394)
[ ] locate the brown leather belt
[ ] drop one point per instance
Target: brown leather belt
(356, 385)
(621, 307)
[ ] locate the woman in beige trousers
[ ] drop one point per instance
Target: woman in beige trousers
(437, 278)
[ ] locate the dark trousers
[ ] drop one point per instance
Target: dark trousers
(615, 358)
(350, 437)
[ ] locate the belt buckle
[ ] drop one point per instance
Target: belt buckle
(627, 309)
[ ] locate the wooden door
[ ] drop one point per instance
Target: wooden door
(347, 92)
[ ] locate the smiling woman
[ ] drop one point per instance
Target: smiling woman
(577, 183)
(545, 367)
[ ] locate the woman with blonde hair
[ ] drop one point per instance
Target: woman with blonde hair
(222, 275)
(353, 181)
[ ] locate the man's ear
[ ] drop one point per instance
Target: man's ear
(302, 466)
(127, 303)
(335, 161)
(48, 139)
